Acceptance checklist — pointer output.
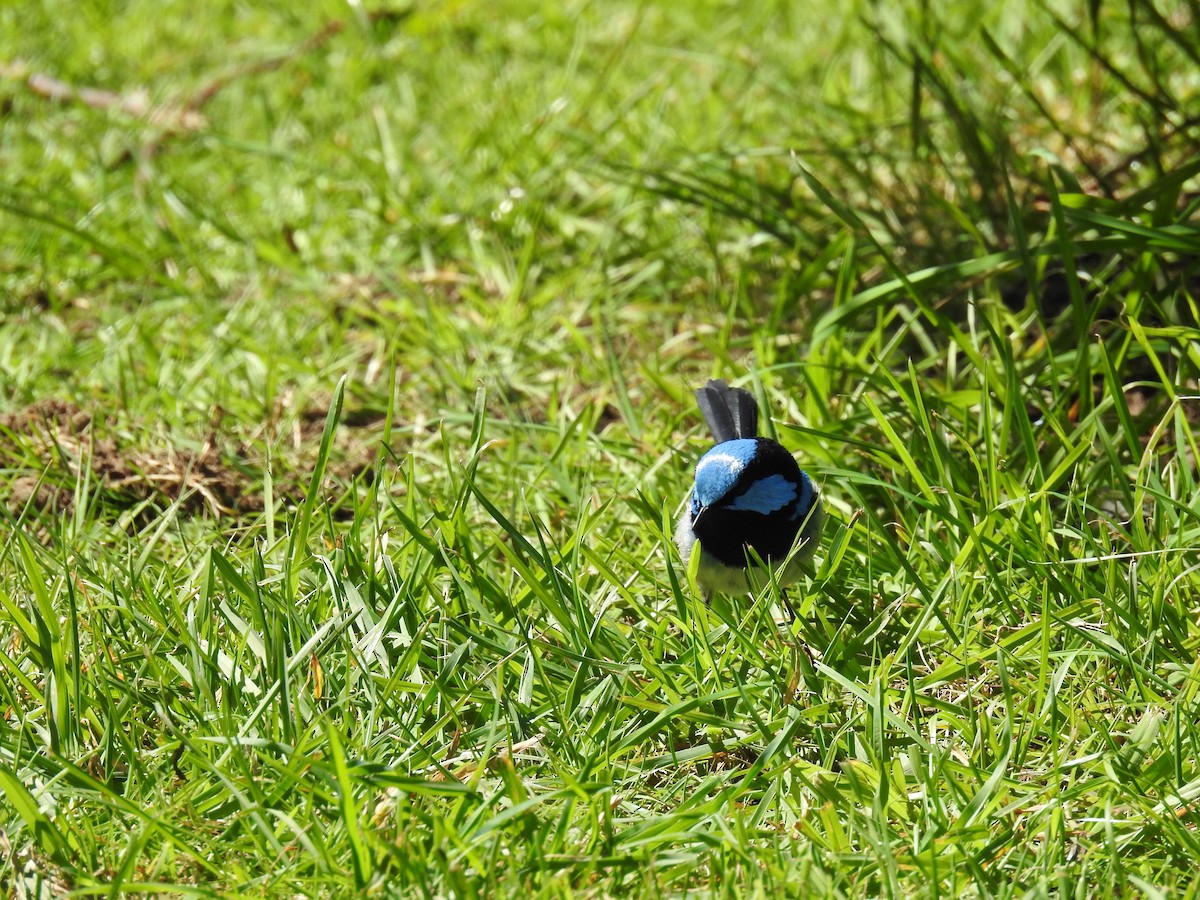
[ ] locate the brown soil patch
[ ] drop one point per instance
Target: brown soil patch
(52, 444)
(56, 442)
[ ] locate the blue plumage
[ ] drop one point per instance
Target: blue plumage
(750, 500)
(719, 469)
(767, 495)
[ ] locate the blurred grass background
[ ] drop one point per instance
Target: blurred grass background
(346, 409)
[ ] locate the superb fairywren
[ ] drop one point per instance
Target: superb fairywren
(749, 495)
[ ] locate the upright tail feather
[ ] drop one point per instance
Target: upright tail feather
(730, 412)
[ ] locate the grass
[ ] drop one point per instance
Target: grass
(347, 411)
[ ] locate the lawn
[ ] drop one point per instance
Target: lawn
(346, 409)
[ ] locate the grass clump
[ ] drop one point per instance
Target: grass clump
(347, 412)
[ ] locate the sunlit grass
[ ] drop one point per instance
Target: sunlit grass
(344, 427)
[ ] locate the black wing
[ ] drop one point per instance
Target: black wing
(730, 412)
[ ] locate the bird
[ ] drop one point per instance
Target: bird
(750, 502)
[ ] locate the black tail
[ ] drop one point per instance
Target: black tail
(730, 412)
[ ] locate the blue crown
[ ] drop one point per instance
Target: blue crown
(719, 469)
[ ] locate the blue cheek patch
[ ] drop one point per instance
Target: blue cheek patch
(718, 470)
(766, 495)
(806, 497)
